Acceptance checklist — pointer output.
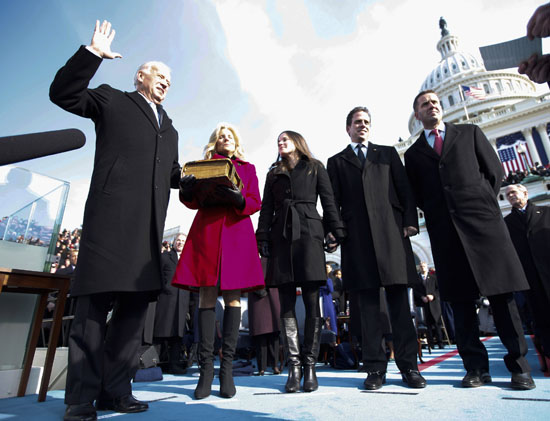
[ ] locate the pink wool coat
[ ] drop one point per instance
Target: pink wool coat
(221, 244)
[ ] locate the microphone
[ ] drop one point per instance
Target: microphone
(36, 145)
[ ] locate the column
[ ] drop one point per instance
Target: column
(541, 128)
(527, 134)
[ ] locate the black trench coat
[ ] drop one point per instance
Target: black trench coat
(289, 221)
(173, 303)
(376, 203)
(135, 163)
(457, 192)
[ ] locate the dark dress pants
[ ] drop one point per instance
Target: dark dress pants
(404, 334)
(509, 329)
(102, 361)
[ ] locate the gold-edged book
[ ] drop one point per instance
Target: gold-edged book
(210, 173)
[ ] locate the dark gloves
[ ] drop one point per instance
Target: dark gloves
(260, 293)
(231, 196)
(263, 248)
(332, 241)
(187, 182)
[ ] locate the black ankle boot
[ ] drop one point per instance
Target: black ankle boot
(231, 323)
(292, 344)
(207, 327)
(310, 352)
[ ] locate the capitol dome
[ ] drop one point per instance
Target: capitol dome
(456, 68)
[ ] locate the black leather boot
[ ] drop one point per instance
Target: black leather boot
(207, 328)
(231, 323)
(310, 352)
(292, 345)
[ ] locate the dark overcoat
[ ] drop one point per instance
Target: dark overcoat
(428, 287)
(135, 164)
(289, 221)
(531, 237)
(173, 303)
(471, 246)
(376, 204)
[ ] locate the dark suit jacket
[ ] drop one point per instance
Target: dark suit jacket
(135, 164)
(376, 204)
(471, 246)
(429, 287)
(531, 237)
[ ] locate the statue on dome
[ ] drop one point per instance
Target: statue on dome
(443, 26)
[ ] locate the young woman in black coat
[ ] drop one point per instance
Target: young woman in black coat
(291, 234)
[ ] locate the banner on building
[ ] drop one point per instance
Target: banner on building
(515, 157)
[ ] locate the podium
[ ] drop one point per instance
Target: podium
(41, 283)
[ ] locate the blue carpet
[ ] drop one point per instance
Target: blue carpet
(340, 396)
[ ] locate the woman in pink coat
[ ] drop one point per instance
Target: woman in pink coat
(220, 256)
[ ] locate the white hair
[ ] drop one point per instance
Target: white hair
(147, 67)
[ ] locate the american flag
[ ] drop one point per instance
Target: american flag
(476, 93)
(511, 159)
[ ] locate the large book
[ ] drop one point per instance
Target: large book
(209, 174)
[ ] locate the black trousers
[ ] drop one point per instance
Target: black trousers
(508, 323)
(102, 361)
(403, 332)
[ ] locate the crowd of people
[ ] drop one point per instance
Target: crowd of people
(369, 201)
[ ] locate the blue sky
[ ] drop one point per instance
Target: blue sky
(264, 65)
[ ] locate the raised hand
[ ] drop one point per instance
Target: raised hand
(101, 40)
(537, 68)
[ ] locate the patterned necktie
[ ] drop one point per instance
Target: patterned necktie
(438, 144)
(361, 154)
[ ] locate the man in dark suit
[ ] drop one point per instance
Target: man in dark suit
(529, 227)
(136, 163)
(373, 195)
(456, 175)
(172, 308)
(426, 295)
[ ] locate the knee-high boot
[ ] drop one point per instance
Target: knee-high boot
(231, 323)
(207, 328)
(292, 345)
(310, 352)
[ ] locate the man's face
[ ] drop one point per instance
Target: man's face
(178, 244)
(74, 258)
(516, 197)
(154, 83)
(359, 130)
(423, 267)
(428, 110)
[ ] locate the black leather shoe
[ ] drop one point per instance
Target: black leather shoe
(80, 412)
(414, 379)
(374, 380)
(124, 404)
(522, 381)
(476, 378)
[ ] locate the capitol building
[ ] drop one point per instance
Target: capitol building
(513, 116)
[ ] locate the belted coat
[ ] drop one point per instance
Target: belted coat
(471, 246)
(221, 247)
(289, 221)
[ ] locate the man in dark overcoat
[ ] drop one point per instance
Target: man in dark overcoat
(426, 295)
(172, 308)
(136, 163)
(372, 192)
(529, 227)
(472, 250)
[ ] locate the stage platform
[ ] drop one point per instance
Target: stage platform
(340, 396)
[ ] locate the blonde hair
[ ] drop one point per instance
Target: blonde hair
(210, 148)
